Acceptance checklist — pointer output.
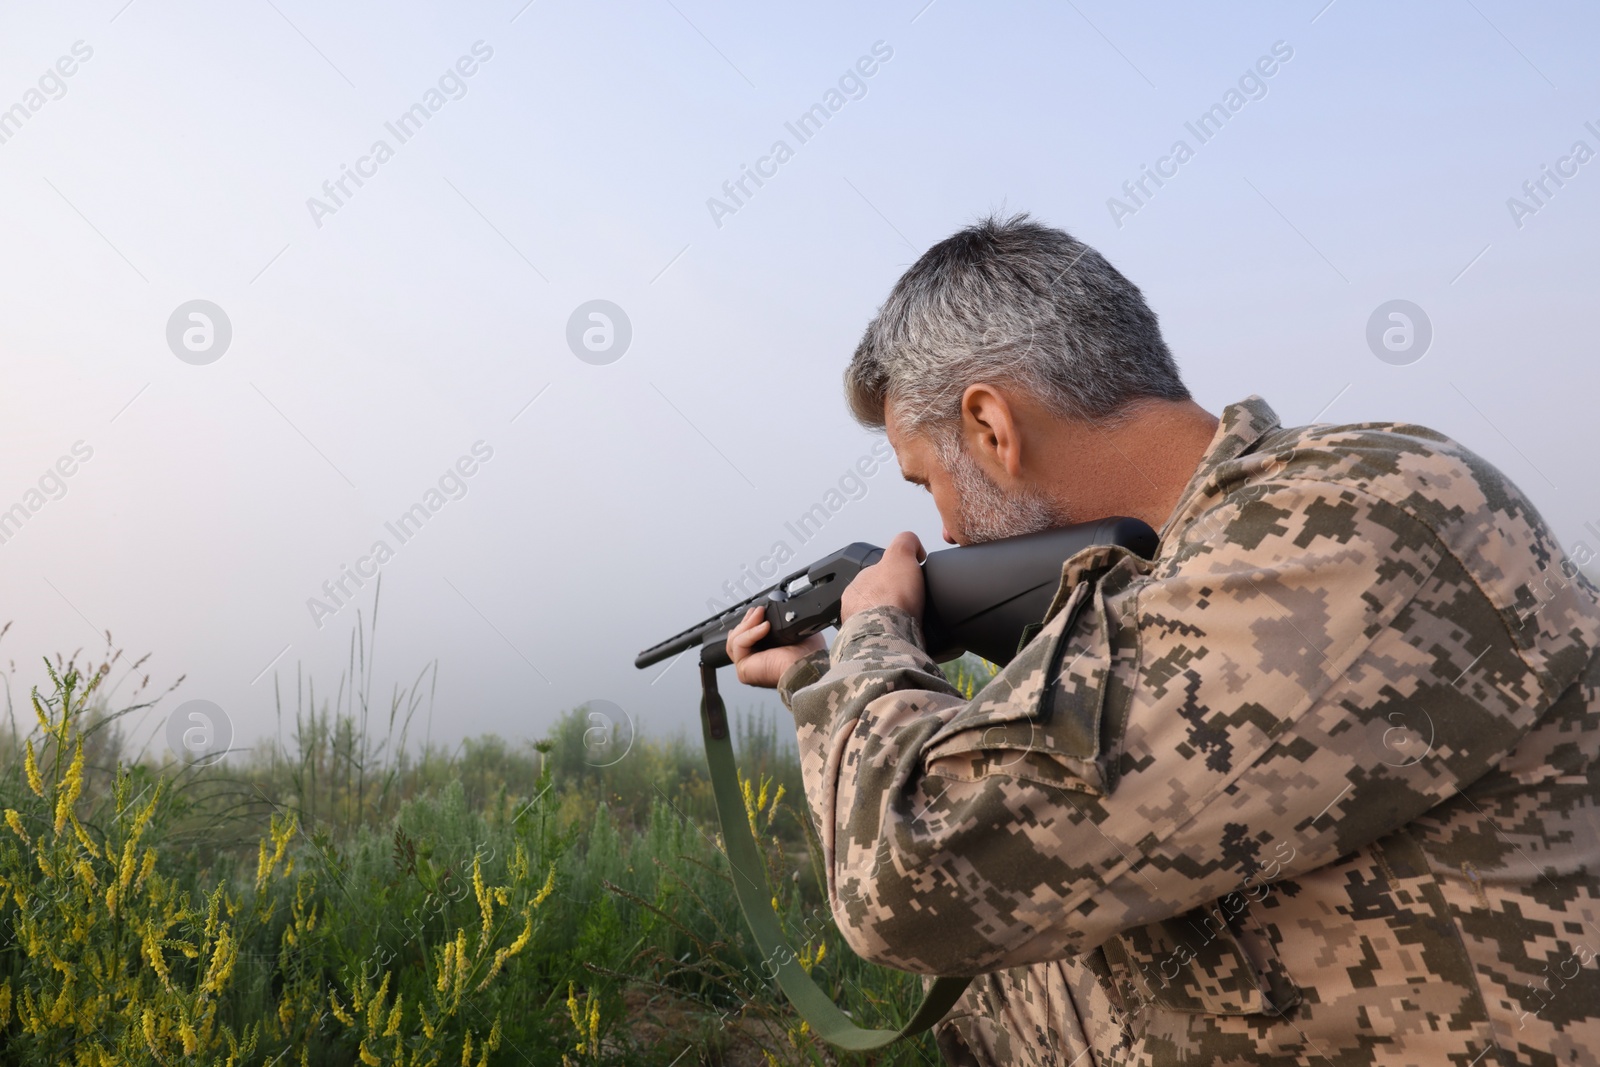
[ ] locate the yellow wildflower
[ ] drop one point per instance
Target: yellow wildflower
(145, 868)
(14, 821)
(491, 1044)
(223, 959)
(375, 1006)
(84, 839)
(549, 887)
(280, 830)
(35, 781)
(126, 868)
(445, 956)
(748, 793)
(461, 961)
(506, 953)
(75, 775)
(150, 1033)
(574, 1013)
(485, 898)
(339, 1012)
(158, 962)
(144, 816)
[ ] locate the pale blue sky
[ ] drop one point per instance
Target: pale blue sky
(372, 347)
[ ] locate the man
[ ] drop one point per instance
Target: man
(1317, 785)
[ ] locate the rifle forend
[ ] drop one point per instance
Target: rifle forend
(809, 600)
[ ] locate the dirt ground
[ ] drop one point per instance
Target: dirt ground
(703, 1040)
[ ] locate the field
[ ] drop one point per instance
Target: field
(350, 896)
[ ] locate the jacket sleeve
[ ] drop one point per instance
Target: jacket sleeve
(1306, 670)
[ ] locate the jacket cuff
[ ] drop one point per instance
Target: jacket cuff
(877, 631)
(801, 673)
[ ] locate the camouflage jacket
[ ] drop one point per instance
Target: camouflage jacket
(1319, 784)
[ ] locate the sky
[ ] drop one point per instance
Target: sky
(277, 275)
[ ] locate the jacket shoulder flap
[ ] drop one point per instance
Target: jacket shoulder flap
(1041, 715)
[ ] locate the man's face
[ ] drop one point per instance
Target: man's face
(972, 505)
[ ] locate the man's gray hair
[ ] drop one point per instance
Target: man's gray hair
(1009, 301)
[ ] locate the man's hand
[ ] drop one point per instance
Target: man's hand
(893, 581)
(766, 667)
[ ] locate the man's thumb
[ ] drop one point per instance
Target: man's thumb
(908, 543)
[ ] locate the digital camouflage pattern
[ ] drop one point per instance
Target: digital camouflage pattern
(1318, 785)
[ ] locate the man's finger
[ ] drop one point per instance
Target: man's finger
(745, 622)
(741, 639)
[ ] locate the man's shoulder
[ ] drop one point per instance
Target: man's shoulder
(1430, 473)
(1403, 481)
(1434, 480)
(1420, 476)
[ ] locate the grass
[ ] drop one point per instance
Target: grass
(352, 895)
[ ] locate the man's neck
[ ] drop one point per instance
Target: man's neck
(1137, 467)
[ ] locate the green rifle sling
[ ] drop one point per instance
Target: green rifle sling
(750, 883)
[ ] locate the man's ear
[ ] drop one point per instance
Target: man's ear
(989, 428)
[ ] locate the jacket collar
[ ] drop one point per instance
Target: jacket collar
(1240, 429)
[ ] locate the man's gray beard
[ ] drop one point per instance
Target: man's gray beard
(987, 512)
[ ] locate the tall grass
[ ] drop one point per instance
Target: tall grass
(352, 893)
